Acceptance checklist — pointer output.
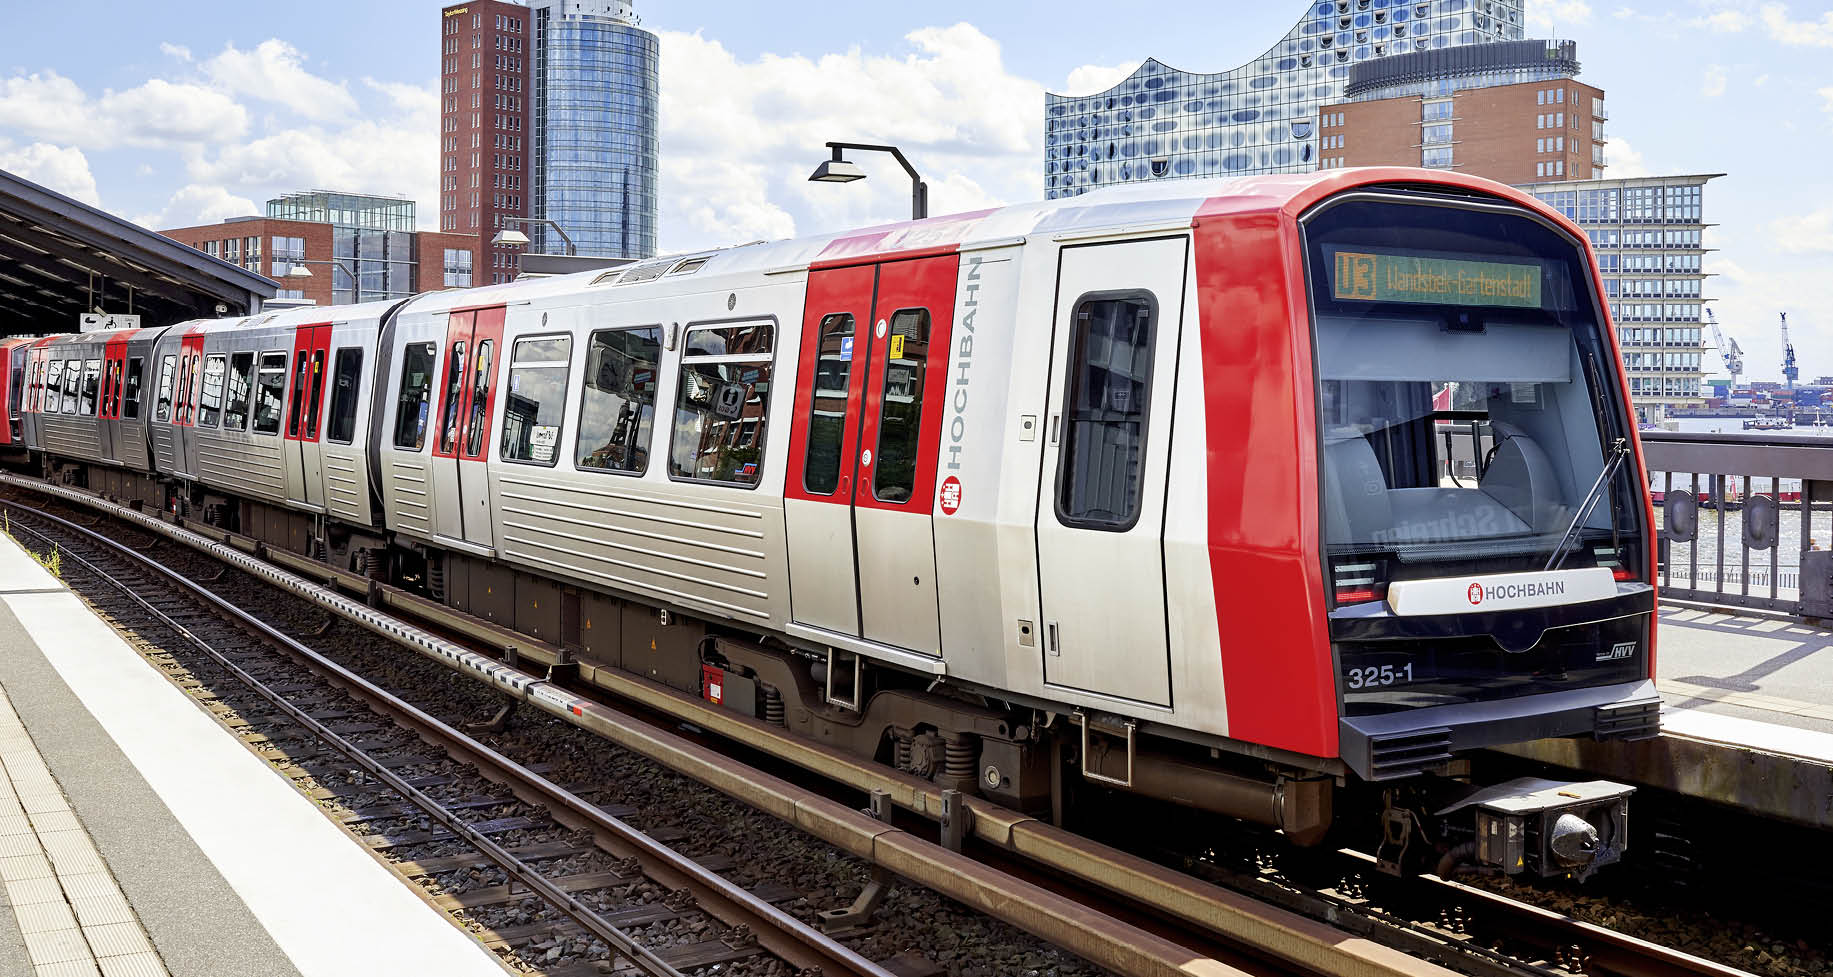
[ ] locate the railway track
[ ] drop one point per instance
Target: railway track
(1350, 923)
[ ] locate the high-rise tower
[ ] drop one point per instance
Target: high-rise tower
(484, 132)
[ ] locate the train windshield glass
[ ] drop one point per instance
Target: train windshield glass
(1467, 400)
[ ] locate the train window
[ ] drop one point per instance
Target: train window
(481, 374)
(722, 403)
(410, 405)
(827, 418)
(162, 406)
(241, 380)
(900, 414)
(111, 389)
(317, 380)
(130, 387)
(617, 411)
(536, 401)
(73, 382)
(54, 381)
(270, 392)
(346, 384)
(183, 407)
(300, 367)
(448, 411)
(1099, 475)
(92, 385)
(210, 406)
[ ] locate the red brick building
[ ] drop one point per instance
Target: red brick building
(1509, 111)
(484, 133)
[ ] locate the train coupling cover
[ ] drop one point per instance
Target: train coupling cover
(1544, 827)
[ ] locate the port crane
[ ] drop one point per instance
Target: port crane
(1790, 372)
(1732, 352)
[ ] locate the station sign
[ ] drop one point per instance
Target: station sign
(1365, 276)
(99, 322)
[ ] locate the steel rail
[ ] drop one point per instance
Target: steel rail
(810, 949)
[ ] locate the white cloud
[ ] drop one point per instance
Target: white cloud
(275, 71)
(1091, 78)
(949, 103)
(1713, 85)
(1558, 15)
(1722, 21)
(178, 51)
(1809, 232)
(53, 108)
(1624, 161)
(197, 204)
(1826, 98)
(1760, 80)
(1801, 33)
(61, 168)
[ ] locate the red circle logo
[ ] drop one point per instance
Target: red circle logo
(1476, 593)
(951, 495)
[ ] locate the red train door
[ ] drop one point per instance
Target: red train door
(861, 477)
(114, 369)
(304, 412)
(461, 434)
(184, 401)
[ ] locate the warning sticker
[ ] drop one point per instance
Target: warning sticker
(897, 346)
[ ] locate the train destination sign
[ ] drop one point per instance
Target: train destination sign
(1376, 277)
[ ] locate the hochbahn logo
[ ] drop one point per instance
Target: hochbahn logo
(1515, 591)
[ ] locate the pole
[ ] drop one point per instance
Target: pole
(919, 191)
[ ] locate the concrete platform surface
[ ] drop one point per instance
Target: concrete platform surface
(228, 868)
(1756, 668)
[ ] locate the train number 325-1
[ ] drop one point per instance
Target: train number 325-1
(1376, 676)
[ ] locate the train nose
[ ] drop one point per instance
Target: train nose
(1574, 842)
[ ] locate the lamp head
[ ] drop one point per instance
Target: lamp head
(837, 171)
(509, 236)
(299, 271)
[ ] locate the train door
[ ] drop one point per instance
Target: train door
(305, 480)
(461, 433)
(184, 401)
(863, 450)
(108, 412)
(1101, 500)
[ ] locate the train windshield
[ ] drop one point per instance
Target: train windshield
(1468, 403)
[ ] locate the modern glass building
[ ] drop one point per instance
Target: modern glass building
(594, 78)
(1258, 118)
(1647, 234)
(371, 236)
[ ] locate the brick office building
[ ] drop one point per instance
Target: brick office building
(1512, 111)
(484, 132)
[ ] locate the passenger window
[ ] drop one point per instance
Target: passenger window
(270, 392)
(92, 384)
(162, 406)
(828, 414)
(210, 406)
(73, 381)
(410, 405)
(317, 380)
(130, 386)
(1100, 475)
(900, 414)
(535, 403)
(448, 410)
(617, 411)
(241, 377)
(300, 366)
(481, 375)
(346, 385)
(54, 387)
(721, 407)
(184, 388)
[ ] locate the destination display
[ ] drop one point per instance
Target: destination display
(1366, 276)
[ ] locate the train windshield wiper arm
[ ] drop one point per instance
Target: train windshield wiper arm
(1619, 449)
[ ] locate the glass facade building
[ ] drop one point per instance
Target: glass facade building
(594, 78)
(371, 237)
(1258, 118)
(1647, 235)
(346, 209)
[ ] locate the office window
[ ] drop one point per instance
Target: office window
(210, 406)
(1440, 157)
(235, 400)
(534, 406)
(1435, 111)
(617, 409)
(346, 387)
(1099, 476)
(723, 400)
(270, 392)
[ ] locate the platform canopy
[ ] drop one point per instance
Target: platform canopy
(60, 258)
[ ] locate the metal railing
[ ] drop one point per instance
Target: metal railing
(1742, 519)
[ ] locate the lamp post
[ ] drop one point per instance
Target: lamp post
(299, 270)
(842, 170)
(515, 238)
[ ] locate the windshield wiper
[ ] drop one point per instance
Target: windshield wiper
(1619, 449)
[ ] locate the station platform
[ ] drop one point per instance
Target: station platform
(139, 838)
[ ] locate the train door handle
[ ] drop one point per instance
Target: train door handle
(1054, 419)
(1050, 641)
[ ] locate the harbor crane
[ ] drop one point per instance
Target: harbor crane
(1732, 352)
(1790, 372)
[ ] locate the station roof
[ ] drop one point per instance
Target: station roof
(60, 258)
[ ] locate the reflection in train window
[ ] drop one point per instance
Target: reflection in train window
(241, 382)
(162, 408)
(130, 405)
(455, 385)
(535, 403)
(618, 409)
(722, 404)
(54, 388)
(270, 392)
(828, 411)
(210, 407)
(900, 414)
(73, 379)
(483, 370)
(317, 380)
(1100, 475)
(346, 385)
(92, 385)
(411, 403)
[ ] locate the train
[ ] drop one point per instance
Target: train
(1272, 497)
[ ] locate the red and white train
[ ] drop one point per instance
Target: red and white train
(1246, 495)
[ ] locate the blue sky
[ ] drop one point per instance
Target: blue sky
(183, 112)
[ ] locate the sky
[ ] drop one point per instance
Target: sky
(186, 112)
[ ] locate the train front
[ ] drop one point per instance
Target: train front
(1485, 529)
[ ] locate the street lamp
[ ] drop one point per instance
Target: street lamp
(842, 170)
(299, 270)
(514, 238)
